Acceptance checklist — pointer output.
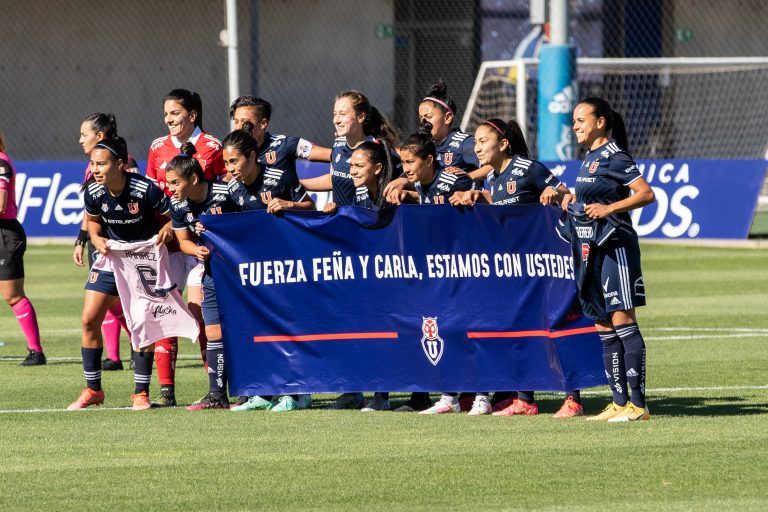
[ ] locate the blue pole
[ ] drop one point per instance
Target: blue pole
(558, 94)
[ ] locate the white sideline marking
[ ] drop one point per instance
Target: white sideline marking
(708, 336)
(589, 393)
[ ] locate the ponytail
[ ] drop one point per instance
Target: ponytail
(379, 152)
(116, 147)
(512, 132)
(374, 123)
(614, 123)
(103, 123)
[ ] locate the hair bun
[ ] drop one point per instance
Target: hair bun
(438, 89)
(188, 149)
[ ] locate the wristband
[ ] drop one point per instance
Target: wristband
(82, 238)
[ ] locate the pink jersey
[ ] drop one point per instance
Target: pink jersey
(164, 149)
(151, 301)
(8, 184)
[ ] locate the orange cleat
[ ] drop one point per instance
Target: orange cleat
(140, 401)
(87, 398)
(519, 408)
(569, 409)
(503, 404)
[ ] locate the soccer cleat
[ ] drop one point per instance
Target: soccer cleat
(254, 403)
(33, 359)
(611, 410)
(349, 401)
(481, 406)
(87, 398)
(570, 408)
(239, 401)
(500, 406)
(166, 399)
(519, 408)
(418, 402)
(377, 403)
(631, 412)
(211, 401)
(108, 365)
(285, 403)
(442, 407)
(304, 401)
(140, 401)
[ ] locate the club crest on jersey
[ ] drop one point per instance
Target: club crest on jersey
(430, 340)
(584, 252)
(133, 207)
(271, 157)
(448, 158)
(511, 187)
(93, 277)
(266, 197)
(593, 166)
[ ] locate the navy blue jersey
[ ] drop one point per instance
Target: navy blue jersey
(520, 182)
(341, 179)
(131, 216)
(184, 214)
(458, 150)
(281, 151)
(604, 178)
(271, 183)
(363, 198)
(442, 187)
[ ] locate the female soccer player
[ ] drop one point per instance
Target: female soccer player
(516, 179)
(183, 111)
(432, 184)
(371, 170)
(13, 244)
(608, 186)
(128, 206)
(95, 128)
(355, 121)
(251, 188)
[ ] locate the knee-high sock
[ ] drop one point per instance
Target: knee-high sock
(25, 314)
(634, 361)
(165, 356)
(117, 311)
(142, 372)
(217, 374)
(111, 329)
(613, 359)
(92, 367)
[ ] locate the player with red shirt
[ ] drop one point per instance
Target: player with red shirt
(183, 114)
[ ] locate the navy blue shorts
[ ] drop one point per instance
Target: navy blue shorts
(621, 279)
(209, 306)
(102, 282)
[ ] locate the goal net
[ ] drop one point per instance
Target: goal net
(673, 107)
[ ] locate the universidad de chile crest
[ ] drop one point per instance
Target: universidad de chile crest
(430, 340)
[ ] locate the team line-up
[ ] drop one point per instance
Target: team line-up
(190, 172)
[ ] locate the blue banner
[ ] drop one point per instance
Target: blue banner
(416, 298)
(694, 198)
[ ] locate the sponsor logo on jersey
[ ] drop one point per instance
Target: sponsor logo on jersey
(511, 187)
(584, 252)
(270, 182)
(214, 145)
(455, 144)
(430, 341)
(444, 187)
(161, 311)
(118, 208)
(139, 193)
(133, 207)
(219, 197)
(593, 166)
(615, 301)
(605, 154)
(448, 158)
(270, 157)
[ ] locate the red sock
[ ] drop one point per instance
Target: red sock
(111, 329)
(25, 314)
(165, 359)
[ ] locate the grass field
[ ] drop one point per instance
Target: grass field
(706, 447)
